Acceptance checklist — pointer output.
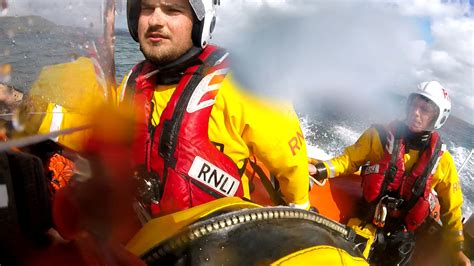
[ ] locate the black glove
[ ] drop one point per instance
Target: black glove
(321, 172)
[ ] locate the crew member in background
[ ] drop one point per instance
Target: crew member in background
(406, 160)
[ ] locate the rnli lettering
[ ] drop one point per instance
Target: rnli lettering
(456, 187)
(213, 177)
(296, 143)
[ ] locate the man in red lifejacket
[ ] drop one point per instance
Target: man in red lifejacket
(196, 128)
(403, 162)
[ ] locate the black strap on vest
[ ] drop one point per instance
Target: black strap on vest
(244, 166)
(170, 131)
(420, 183)
(392, 167)
(267, 184)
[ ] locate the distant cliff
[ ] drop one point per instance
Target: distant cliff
(10, 26)
(29, 43)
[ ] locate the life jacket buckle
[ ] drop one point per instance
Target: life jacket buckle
(148, 187)
(392, 203)
(380, 214)
(383, 207)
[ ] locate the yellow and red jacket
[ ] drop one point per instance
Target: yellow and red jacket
(445, 180)
(410, 190)
(242, 125)
(177, 152)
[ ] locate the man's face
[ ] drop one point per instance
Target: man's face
(421, 113)
(164, 29)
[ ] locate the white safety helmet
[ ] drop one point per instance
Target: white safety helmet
(437, 94)
(205, 19)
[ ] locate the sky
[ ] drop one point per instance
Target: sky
(351, 49)
(83, 13)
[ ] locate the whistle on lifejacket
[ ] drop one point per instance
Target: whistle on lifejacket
(380, 214)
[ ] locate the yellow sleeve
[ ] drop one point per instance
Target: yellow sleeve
(367, 148)
(446, 184)
(69, 100)
(62, 85)
(272, 133)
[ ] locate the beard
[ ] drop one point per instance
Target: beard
(158, 56)
(163, 54)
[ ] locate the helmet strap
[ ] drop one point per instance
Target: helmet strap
(196, 33)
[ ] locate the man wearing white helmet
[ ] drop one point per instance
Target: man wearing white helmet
(195, 127)
(403, 162)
